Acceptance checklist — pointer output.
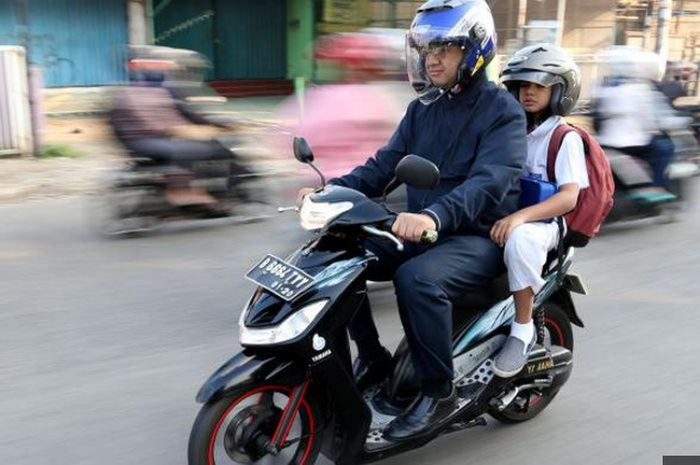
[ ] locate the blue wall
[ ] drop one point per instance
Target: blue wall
(76, 42)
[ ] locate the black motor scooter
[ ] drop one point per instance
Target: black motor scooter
(631, 173)
(289, 395)
(132, 199)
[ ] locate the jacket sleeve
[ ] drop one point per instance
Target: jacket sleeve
(500, 158)
(372, 177)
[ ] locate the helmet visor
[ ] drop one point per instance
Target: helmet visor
(467, 24)
(420, 45)
(538, 77)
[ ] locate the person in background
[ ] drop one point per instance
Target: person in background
(633, 115)
(145, 118)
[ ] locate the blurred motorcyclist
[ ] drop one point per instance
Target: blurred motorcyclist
(350, 117)
(671, 86)
(475, 132)
(632, 115)
(146, 119)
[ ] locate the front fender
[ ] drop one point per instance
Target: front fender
(247, 368)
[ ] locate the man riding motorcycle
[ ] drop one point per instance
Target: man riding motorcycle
(146, 119)
(632, 115)
(475, 133)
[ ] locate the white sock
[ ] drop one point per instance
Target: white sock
(524, 332)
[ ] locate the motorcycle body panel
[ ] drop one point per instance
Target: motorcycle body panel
(248, 368)
(338, 277)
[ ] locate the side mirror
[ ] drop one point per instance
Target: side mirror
(302, 151)
(418, 172)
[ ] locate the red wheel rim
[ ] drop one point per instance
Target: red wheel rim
(551, 324)
(283, 389)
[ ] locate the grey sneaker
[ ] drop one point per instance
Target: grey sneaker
(512, 357)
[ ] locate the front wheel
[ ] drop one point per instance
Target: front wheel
(530, 403)
(235, 428)
(118, 210)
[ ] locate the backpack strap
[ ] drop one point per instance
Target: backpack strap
(554, 145)
(552, 151)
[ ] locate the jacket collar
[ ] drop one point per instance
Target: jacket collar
(467, 93)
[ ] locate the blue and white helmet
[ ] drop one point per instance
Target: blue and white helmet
(467, 23)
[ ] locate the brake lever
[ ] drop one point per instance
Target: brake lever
(287, 209)
(387, 235)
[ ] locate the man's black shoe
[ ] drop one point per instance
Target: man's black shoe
(422, 417)
(369, 372)
(383, 404)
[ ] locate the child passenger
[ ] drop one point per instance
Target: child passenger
(546, 81)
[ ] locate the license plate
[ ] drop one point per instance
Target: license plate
(284, 280)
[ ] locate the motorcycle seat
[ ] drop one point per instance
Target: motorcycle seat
(497, 289)
(486, 296)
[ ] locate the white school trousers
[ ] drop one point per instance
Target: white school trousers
(525, 253)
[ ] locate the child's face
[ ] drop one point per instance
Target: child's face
(533, 97)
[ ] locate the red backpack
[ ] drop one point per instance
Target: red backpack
(595, 202)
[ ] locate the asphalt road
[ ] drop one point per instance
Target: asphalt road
(103, 344)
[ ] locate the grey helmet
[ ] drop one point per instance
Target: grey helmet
(549, 66)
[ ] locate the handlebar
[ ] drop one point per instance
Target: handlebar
(429, 236)
(383, 229)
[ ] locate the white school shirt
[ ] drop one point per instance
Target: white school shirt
(570, 165)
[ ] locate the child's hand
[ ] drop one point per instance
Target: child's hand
(501, 230)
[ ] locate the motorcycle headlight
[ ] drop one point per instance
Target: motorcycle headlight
(291, 327)
(316, 215)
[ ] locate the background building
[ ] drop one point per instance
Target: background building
(75, 42)
(268, 43)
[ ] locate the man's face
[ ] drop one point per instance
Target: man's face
(442, 63)
(533, 97)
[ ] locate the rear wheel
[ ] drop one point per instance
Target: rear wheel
(530, 403)
(236, 428)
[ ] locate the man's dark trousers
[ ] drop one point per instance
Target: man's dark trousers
(425, 279)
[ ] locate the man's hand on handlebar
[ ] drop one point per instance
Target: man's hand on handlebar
(410, 226)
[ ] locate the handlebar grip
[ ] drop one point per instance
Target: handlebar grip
(387, 224)
(429, 236)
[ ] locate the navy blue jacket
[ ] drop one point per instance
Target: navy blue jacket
(476, 138)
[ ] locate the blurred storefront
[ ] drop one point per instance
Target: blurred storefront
(638, 25)
(269, 43)
(76, 43)
(256, 47)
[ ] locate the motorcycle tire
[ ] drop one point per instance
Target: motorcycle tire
(529, 404)
(227, 427)
(115, 212)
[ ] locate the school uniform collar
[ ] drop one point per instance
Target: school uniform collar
(544, 127)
